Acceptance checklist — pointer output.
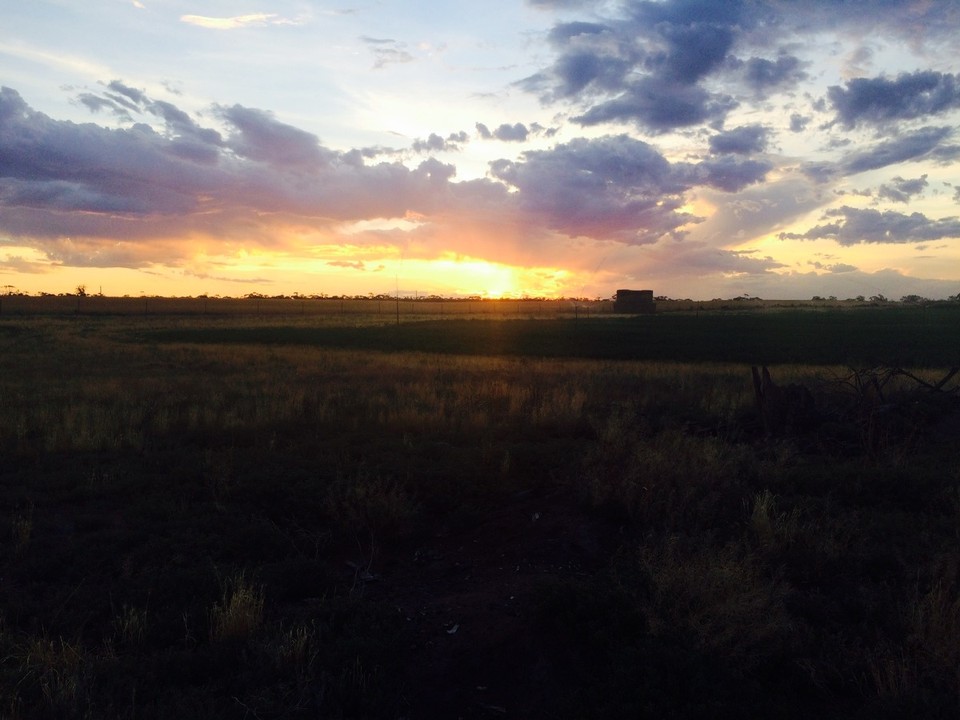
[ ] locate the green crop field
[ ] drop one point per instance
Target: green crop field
(333, 514)
(899, 336)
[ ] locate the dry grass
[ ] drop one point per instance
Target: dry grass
(239, 613)
(130, 626)
(134, 465)
(21, 530)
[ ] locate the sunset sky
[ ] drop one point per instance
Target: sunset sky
(698, 148)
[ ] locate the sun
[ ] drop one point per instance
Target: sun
(481, 277)
(498, 293)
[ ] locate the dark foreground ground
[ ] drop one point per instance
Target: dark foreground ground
(278, 520)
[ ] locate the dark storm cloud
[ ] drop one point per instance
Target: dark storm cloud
(909, 146)
(743, 140)
(852, 226)
(798, 122)
(880, 100)
(900, 190)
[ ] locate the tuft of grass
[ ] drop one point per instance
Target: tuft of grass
(52, 676)
(373, 502)
(21, 530)
(239, 613)
(130, 625)
(773, 530)
(935, 634)
(721, 598)
(290, 650)
(670, 480)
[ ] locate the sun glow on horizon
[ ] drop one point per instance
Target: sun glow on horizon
(330, 272)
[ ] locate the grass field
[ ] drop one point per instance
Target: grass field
(282, 515)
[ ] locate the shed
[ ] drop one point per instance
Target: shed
(634, 301)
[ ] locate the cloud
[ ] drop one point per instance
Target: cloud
(615, 188)
(832, 268)
(900, 190)
(762, 74)
(725, 173)
(387, 52)
(257, 135)
(96, 103)
(744, 140)
(110, 190)
(910, 146)
(798, 122)
(434, 143)
(854, 226)
(671, 64)
(880, 100)
(659, 106)
(518, 132)
(645, 68)
(561, 4)
(237, 21)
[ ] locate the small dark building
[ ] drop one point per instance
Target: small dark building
(634, 301)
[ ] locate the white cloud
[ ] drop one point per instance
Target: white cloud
(237, 21)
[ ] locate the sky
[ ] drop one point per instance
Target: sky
(547, 148)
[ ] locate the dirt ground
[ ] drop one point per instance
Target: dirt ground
(467, 592)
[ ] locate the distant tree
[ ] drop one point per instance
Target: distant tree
(913, 299)
(816, 298)
(81, 290)
(860, 298)
(878, 298)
